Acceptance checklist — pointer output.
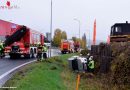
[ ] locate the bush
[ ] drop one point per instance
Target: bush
(84, 52)
(120, 66)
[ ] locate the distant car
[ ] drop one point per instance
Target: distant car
(47, 44)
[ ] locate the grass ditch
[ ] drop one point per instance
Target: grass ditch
(52, 74)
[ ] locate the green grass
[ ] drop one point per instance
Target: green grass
(54, 74)
(47, 75)
(91, 84)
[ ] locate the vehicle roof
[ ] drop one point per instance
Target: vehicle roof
(121, 24)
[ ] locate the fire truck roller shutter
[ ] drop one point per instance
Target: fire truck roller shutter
(16, 36)
(30, 55)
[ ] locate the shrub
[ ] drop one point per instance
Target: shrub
(84, 52)
(120, 66)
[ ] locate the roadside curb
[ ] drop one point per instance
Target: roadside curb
(6, 76)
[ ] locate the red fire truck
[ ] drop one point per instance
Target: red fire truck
(67, 46)
(5, 28)
(23, 41)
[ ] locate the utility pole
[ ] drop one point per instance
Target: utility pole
(89, 40)
(51, 30)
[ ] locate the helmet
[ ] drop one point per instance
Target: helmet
(91, 58)
(88, 54)
(38, 43)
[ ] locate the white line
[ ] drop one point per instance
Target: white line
(5, 74)
(10, 71)
(8, 87)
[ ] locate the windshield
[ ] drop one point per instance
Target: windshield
(116, 30)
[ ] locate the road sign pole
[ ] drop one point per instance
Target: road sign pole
(51, 29)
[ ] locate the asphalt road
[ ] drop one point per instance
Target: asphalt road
(7, 64)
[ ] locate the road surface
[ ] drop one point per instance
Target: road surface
(7, 64)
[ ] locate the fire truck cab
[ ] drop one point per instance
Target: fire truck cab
(120, 32)
(23, 42)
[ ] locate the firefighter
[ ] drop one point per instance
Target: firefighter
(44, 48)
(91, 64)
(88, 56)
(1, 49)
(39, 53)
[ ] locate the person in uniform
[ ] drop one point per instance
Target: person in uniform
(1, 49)
(44, 51)
(39, 53)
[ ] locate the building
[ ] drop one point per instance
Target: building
(48, 36)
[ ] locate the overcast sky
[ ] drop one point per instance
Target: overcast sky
(36, 15)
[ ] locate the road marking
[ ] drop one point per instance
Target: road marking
(3, 76)
(8, 87)
(10, 71)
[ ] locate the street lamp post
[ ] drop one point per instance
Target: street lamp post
(79, 25)
(51, 29)
(89, 42)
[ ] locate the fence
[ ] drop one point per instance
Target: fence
(102, 54)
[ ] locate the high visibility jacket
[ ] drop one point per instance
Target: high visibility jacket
(91, 64)
(44, 49)
(1, 46)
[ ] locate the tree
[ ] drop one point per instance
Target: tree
(64, 35)
(84, 40)
(74, 39)
(57, 37)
